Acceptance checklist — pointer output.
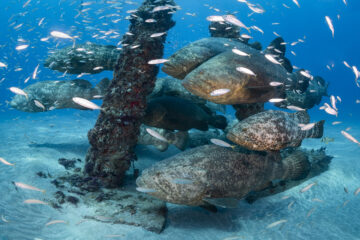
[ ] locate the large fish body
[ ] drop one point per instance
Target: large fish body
(273, 130)
(208, 65)
(57, 94)
(173, 113)
(83, 58)
(214, 172)
(193, 55)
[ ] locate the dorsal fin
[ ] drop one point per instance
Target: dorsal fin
(277, 48)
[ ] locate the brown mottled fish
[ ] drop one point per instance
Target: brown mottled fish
(273, 130)
(173, 113)
(218, 175)
(207, 65)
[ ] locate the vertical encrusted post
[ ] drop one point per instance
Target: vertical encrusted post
(116, 131)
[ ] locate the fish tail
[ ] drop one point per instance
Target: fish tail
(317, 131)
(101, 87)
(219, 121)
(297, 166)
(181, 140)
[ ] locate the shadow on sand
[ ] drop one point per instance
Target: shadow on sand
(198, 218)
(75, 148)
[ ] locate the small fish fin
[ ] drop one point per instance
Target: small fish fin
(181, 140)
(100, 88)
(297, 166)
(161, 146)
(222, 202)
(219, 121)
(15, 186)
(317, 131)
(209, 207)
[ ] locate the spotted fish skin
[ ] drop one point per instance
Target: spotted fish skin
(210, 64)
(92, 58)
(273, 130)
(216, 172)
(190, 57)
(57, 94)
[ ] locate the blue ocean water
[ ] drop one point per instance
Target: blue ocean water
(20, 20)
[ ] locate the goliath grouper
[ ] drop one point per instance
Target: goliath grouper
(213, 63)
(217, 175)
(173, 113)
(274, 130)
(83, 58)
(49, 95)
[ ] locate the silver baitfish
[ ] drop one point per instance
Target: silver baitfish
(273, 130)
(57, 95)
(217, 175)
(179, 139)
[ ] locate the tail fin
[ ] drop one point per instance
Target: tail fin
(180, 139)
(297, 166)
(317, 131)
(287, 65)
(101, 87)
(219, 121)
(277, 48)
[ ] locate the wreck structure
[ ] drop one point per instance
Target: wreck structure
(116, 131)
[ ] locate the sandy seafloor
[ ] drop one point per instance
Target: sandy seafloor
(58, 135)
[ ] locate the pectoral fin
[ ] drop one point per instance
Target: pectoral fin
(222, 202)
(264, 186)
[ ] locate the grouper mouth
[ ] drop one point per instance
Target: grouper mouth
(232, 137)
(146, 187)
(172, 70)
